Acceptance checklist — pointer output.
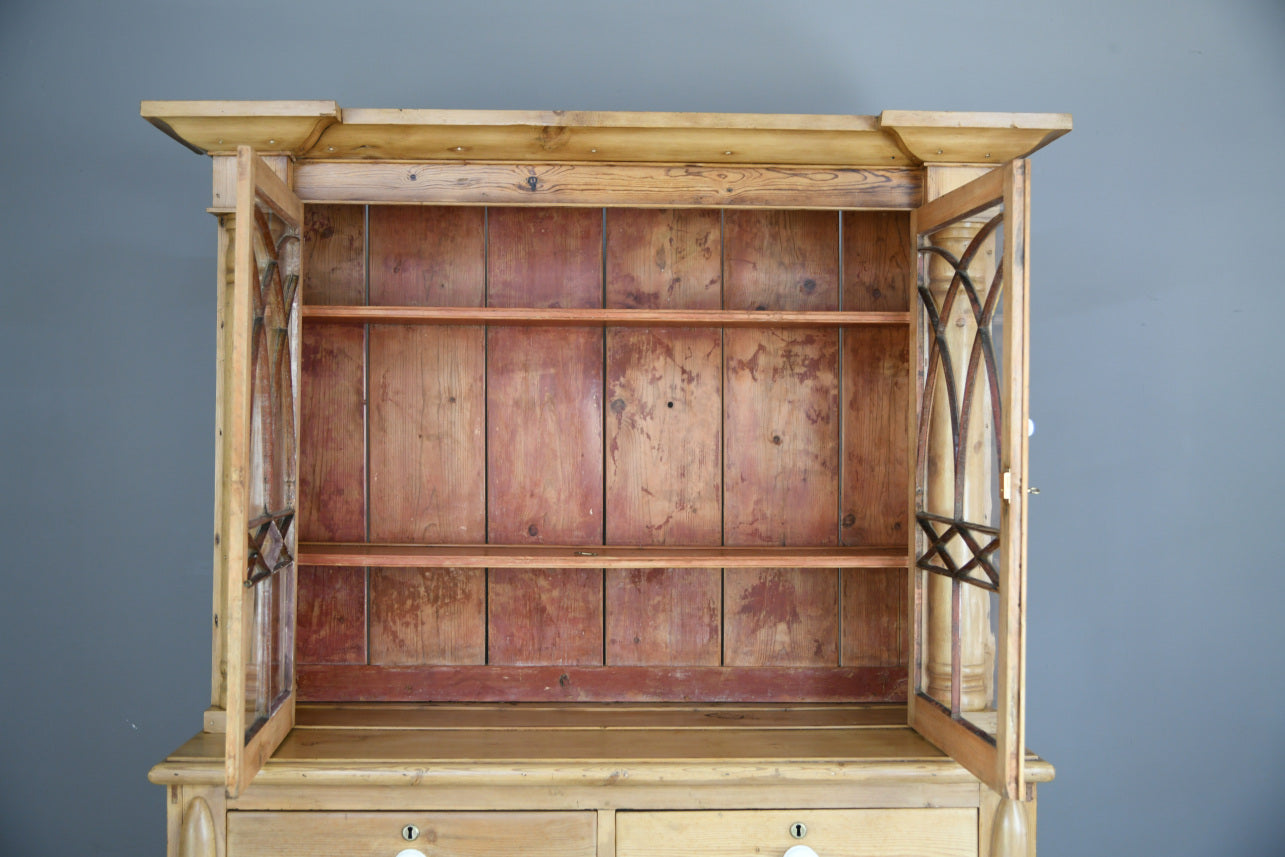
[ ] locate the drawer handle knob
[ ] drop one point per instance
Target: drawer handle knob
(410, 833)
(411, 852)
(795, 851)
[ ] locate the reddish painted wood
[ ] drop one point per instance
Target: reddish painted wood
(427, 256)
(333, 269)
(544, 616)
(781, 260)
(332, 683)
(427, 441)
(781, 425)
(664, 259)
(544, 434)
(427, 616)
(665, 616)
(780, 617)
(876, 405)
(544, 257)
(593, 556)
(878, 261)
(595, 316)
(663, 467)
(332, 461)
(875, 627)
(330, 625)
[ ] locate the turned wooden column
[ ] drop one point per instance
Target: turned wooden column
(977, 642)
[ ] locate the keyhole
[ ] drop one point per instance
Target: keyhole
(798, 830)
(410, 833)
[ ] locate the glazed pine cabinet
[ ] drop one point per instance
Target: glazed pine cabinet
(615, 484)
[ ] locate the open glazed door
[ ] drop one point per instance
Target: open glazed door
(968, 555)
(259, 466)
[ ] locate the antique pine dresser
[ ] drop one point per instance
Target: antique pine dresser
(614, 484)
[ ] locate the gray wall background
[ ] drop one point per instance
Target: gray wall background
(1156, 650)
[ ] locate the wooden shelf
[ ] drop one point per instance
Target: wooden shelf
(593, 556)
(596, 317)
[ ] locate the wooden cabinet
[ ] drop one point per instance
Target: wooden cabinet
(609, 482)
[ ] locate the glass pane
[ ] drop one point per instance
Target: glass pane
(270, 566)
(958, 474)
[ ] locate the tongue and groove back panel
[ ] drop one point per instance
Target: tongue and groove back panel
(627, 436)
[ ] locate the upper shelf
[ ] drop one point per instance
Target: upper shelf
(321, 130)
(594, 556)
(596, 316)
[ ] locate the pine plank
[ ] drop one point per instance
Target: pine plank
(334, 255)
(781, 387)
(542, 616)
(633, 185)
(875, 630)
(663, 478)
(780, 617)
(663, 616)
(878, 261)
(876, 453)
(444, 834)
(331, 620)
(594, 556)
(332, 472)
(615, 317)
(560, 716)
(427, 616)
(833, 832)
(571, 683)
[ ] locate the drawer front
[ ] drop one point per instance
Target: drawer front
(829, 833)
(440, 834)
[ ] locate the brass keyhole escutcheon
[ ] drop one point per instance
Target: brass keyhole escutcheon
(410, 833)
(798, 830)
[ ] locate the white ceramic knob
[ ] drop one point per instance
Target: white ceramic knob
(1030, 427)
(411, 852)
(800, 851)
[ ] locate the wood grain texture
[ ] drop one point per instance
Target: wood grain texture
(331, 620)
(427, 616)
(334, 255)
(427, 441)
(541, 717)
(634, 185)
(663, 473)
(427, 434)
(543, 616)
(834, 833)
(780, 617)
(876, 452)
(667, 616)
(427, 256)
(878, 261)
(332, 496)
(629, 317)
(781, 424)
(332, 439)
(594, 556)
(454, 834)
(503, 683)
(874, 618)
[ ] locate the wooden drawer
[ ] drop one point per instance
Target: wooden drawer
(830, 833)
(441, 834)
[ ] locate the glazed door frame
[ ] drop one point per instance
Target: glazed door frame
(258, 466)
(955, 544)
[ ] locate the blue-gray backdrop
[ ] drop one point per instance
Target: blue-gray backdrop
(1156, 650)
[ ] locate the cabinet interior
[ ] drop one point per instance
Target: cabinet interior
(776, 441)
